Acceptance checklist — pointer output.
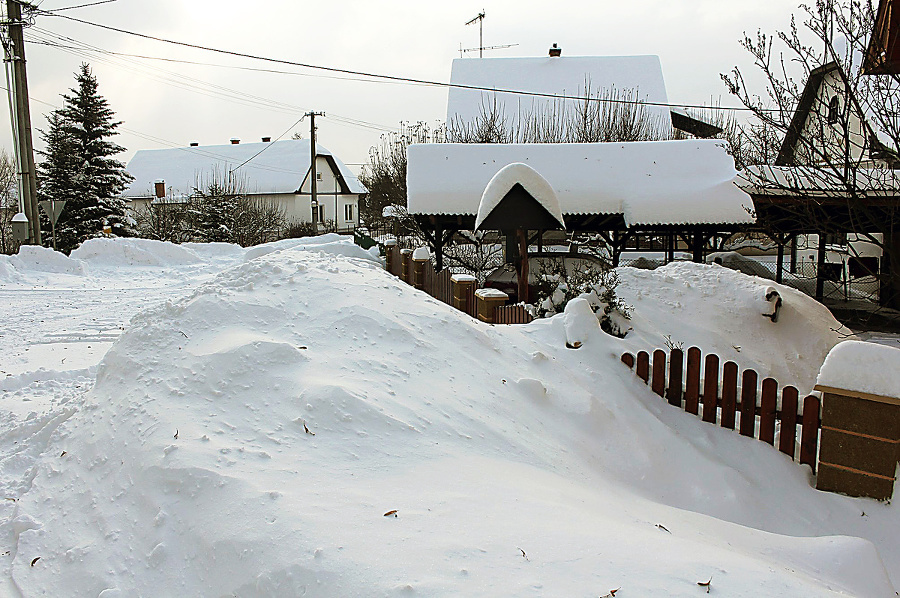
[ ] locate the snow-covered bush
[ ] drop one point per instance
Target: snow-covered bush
(557, 285)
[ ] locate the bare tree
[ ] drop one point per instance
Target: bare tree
(9, 203)
(835, 168)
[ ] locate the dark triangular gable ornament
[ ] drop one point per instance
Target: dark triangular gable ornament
(519, 209)
(511, 202)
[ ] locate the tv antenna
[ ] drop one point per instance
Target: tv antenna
(481, 47)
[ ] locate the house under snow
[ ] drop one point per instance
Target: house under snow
(268, 171)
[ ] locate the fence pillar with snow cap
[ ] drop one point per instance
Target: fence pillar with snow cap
(405, 259)
(390, 248)
(463, 292)
(487, 300)
(420, 257)
(860, 419)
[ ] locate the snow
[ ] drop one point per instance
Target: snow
(421, 253)
(564, 76)
(651, 182)
(808, 181)
(261, 410)
(491, 294)
(530, 179)
(864, 367)
(274, 167)
(463, 278)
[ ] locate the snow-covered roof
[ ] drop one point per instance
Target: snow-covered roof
(275, 167)
(570, 76)
(650, 183)
(530, 179)
(811, 181)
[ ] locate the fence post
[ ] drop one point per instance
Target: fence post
(420, 257)
(710, 388)
(692, 381)
(405, 258)
(658, 382)
(809, 434)
(788, 421)
(729, 393)
(768, 406)
(676, 367)
(628, 359)
(748, 403)
(643, 366)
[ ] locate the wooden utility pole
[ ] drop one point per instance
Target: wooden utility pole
(15, 54)
(313, 198)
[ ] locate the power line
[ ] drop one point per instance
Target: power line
(54, 10)
(394, 78)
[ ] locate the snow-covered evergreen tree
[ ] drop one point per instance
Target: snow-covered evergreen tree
(78, 166)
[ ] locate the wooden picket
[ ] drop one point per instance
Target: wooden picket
(683, 389)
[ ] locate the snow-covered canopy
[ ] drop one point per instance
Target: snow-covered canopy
(810, 181)
(862, 367)
(650, 183)
(569, 76)
(530, 179)
(275, 167)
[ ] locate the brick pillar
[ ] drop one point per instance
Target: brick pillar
(859, 446)
(390, 248)
(461, 286)
(486, 300)
(418, 273)
(405, 259)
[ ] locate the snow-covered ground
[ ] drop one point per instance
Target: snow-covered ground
(259, 412)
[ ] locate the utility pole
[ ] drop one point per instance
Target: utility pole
(15, 54)
(313, 198)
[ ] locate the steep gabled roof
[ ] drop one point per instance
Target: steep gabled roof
(275, 167)
(788, 153)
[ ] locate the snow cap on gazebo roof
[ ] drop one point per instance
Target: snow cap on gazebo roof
(649, 183)
(530, 179)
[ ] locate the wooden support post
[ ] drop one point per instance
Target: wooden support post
(779, 269)
(820, 268)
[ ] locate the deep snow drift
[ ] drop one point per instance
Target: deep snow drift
(248, 437)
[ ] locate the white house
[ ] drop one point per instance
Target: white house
(267, 171)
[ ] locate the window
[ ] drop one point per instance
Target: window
(348, 212)
(318, 176)
(834, 110)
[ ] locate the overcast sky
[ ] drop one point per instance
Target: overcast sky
(169, 104)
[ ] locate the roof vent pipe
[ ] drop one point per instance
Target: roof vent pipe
(235, 141)
(266, 139)
(555, 51)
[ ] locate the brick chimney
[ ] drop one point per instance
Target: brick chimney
(235, 141)
(160, 188)
(195, 143)
(266, 139)
(555, 51)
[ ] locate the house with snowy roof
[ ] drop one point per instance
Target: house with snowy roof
(272, 171)
(523, 88)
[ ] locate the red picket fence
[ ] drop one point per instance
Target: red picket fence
(689, 388)
(511, 314)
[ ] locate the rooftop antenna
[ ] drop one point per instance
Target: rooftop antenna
(481, 47)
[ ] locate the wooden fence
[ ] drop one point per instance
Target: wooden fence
(689, 388)
(439, 285)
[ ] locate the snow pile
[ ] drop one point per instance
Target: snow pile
(530, 179)
(862, 367)
(722, 311)
(134, 252)
(250, 437)
(42, 259)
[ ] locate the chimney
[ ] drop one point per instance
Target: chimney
(266, 139)
(555, 51)
(195, 143)
(160, 188)
(235, 141)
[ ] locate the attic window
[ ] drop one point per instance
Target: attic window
(834, 109)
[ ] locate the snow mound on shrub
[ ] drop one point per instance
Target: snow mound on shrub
(41, 259)
(249, 439)
(722, 311)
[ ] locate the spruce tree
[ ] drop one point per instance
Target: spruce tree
(78, 166)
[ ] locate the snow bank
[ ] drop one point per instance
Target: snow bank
(862, 367)
(42, 259)
(134, 252)
(722, 311)
(249, 439)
